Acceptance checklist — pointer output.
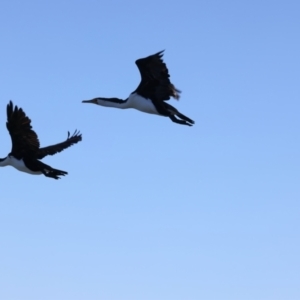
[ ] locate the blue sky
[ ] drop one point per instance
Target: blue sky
(152, 209)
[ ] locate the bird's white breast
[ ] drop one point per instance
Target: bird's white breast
(18, 164)
(140, 103)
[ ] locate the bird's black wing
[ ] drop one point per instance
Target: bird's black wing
(51, 150)
(24, 140)
(155, 78)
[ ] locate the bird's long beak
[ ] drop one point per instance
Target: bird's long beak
(90, 101)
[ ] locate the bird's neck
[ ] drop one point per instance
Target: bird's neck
(4, 162)
(113, 102)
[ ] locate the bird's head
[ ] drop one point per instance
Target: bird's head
(109, 102)
(95, 101)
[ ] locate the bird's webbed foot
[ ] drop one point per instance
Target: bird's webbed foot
(175, 120)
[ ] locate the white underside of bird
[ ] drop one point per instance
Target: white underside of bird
(18, 164)
(140, 103)
(134, 101)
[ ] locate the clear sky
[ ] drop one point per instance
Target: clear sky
(153, 210)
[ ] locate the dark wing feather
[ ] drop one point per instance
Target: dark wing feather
(155, 78)
(51, 150)
(24, 140)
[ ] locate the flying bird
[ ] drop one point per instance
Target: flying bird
(152, 93)
(26, 153)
